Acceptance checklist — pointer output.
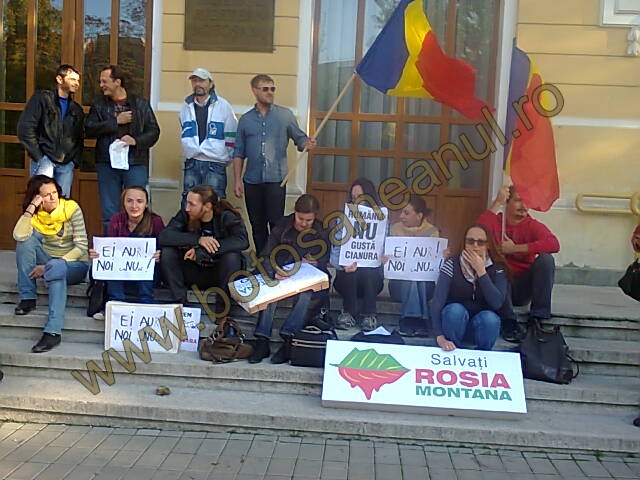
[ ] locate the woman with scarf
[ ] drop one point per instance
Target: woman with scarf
(51, 244)
(470, 291)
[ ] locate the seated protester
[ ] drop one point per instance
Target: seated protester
(470, 292)
(358, 286)
(52, 244)
(286, 233)
(414, 295)
(136, 220)
(202, 245)
(527, 245)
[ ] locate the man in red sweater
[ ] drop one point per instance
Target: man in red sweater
(527, 245)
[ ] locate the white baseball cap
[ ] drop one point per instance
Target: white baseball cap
(201, 73)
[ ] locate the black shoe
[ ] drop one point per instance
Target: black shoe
(47, 342)
(513, 334)
(284, 352)
(25, 306)
(260, 351)
(405, 329)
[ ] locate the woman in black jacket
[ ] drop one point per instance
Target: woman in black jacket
(470, 291)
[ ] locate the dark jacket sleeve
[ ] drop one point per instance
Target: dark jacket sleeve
(148, 137)
(78, 141)
(440, 296)
(275, 239)
(494, 290)
(176, 234)
(28, 126)
(99, 122)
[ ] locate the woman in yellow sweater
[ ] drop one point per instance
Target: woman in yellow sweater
(52, 244)
(413, 295)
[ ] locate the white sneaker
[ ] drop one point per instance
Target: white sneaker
(99, 316)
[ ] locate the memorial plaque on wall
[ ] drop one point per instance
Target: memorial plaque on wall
(229, 25)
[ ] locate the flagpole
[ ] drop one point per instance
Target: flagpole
(320, 127)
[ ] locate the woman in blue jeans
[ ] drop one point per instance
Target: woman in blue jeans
(471, 289)
(135, 220)
(51, 243)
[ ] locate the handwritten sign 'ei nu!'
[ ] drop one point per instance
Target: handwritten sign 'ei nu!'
(414, 258)
(123, 258)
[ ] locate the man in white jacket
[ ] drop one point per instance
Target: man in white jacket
(208, 136)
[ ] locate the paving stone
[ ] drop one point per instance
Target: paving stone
(507, 452)
(254, 466)
(92, 439)
(99, 430)
(188, 445)
(33, 426)
(566, 467)
(74, 456)
(82, 472)
(226, 470)
(211, 447)
(237, 447)
(172, 433)
(466, 450)
(218, 435)
(469, 474)
(338, 443)
(436, 448)
(439, 461)
(68, 438)
(412, 456)
(281, 466)
(311, 451)
(490, 462)
(203, 463)
(336, 453)
(286, 450)
(593, 468)
(515, 464)
(334, 471)
(194, 475)
(361, 470)
(151, 459)
(415, 472)
(163, 444)
(111, 473)
(176, 461)
(307, 468)
(443, 474)
(139, 473)
(541, 466)
(139, 443)
(27, 471)
(48, 455)
(388, 470)
(55, 471)
(124, 431)
(361, 454)
(192, 434)
(124, 458)
(115, 442)
(559, 456)
(387, 455)
(583, 456)
(241, 436)
(99, 457)
(290, 439)
(168, 475)
(148, 432)
(618, 469)
(8, 466)
(464, 461)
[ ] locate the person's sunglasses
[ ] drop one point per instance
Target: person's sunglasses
(267, 89)
(475, 241)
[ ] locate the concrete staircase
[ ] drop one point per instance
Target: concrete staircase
(593, 413)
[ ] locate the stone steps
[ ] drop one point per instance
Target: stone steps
(130, 404)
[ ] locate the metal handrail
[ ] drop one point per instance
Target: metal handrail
(634, 203)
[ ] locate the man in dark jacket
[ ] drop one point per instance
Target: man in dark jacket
(202, 244)
(309, 249)
(124, 117)
(51, 129)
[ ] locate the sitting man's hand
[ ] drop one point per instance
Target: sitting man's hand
(190, 254)
(210, 244)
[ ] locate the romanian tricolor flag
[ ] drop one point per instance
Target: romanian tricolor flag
(406, 60)
(530, 155)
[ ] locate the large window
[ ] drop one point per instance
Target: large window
(378, 136)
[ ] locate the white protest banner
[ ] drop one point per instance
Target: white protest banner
(191, 317)
(414, 378)
(124, 320)
(366, 247)
(414, 258)
(307, 277)
(123, 258)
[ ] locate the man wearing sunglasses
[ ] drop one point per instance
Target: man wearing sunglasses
(527, 245)
(262, 139)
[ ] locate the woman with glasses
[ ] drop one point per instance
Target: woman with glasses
(413, 295)
(51, 244)
(470, 291)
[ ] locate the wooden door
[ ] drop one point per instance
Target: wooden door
(38, 36)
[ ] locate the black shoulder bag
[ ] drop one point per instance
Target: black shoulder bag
(545, 356)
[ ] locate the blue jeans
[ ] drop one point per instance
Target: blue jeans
(414, 297)
(203, 172)
(484, 326)
(110, 184)
(61, 173)
(115, 290)
(58, 273)
(294, 322)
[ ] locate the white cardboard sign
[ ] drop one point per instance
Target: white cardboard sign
(366, 247)
(307, 277)
(124, 320)
(191, 317)
(124, 258)
(414, 378)
(414, 258)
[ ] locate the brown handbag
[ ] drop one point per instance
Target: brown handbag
(225, 344)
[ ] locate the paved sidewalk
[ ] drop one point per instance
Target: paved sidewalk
(61, 452)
